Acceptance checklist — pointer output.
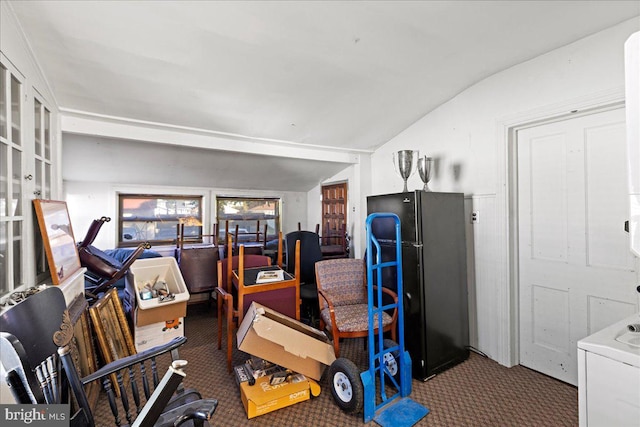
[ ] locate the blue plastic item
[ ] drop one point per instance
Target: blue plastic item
(396, 409)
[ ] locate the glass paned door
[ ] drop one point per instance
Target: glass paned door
(3, 102)
(42, 172)
(11, 184)
(42, 139)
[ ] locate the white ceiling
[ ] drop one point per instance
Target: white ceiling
(326, 73)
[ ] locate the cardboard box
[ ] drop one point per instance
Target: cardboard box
(262, 397)
(148, 336)
(152, 310)
(284, 341)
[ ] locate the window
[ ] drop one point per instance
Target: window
(154, 218)
(250, 214)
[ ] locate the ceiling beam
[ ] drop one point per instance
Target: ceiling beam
(120, 128)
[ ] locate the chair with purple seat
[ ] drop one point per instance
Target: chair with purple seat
(236, 291)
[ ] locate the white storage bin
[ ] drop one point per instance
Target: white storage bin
(152, 310)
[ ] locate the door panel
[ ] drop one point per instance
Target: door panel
(334, 212)
(607, 245)
(549, 224)
(576, 273)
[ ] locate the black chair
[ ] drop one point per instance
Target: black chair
(37, 351)
(309, 254)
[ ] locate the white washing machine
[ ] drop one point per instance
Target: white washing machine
(609, 376)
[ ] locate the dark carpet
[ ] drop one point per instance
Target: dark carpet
(477, 392)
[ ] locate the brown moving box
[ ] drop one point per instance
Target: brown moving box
(272, 336)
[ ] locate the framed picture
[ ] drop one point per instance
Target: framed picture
(112, 330)
(82, 346)
(86, 357)
(57, 236)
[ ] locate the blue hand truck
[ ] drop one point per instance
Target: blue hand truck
(388, 379)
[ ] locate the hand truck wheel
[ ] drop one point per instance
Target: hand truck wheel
(346, 386)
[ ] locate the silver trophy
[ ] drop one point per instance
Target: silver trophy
(404, 164)
(425, 166)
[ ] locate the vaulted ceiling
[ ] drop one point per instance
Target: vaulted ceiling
(338, 74)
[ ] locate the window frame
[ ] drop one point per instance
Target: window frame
(222, 218)
(122, 220)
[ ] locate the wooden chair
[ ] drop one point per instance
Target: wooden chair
(255, 245)
(317, 231)
(198, 262)
(333, 243)
(234, 300)
(103, 271)
(342, 292)
(37, 351)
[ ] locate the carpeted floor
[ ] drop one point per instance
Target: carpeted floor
(477, 392)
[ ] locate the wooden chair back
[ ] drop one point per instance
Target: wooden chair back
(198, 262)
(279, 296)
(333, 243)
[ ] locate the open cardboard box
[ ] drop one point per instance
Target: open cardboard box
(272, 336)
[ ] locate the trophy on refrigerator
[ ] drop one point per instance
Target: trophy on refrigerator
(404, 164)
(425, 166)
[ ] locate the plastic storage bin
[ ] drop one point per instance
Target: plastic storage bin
(152, 310)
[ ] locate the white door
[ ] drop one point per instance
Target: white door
(576, 272)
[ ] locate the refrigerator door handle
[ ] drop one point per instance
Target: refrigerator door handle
(407, 302)
(418, 245)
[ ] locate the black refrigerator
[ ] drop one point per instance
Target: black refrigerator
(434, 274)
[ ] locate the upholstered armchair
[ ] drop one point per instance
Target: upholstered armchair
(342, 295)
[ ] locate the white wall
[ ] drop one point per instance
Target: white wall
(464, 135)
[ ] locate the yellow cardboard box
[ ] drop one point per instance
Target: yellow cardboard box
(262, 397)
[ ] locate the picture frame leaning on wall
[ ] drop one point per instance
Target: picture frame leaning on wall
(57, 235)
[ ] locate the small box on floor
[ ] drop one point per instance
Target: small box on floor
(274, 388)
(148, 336)
(162, 277)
